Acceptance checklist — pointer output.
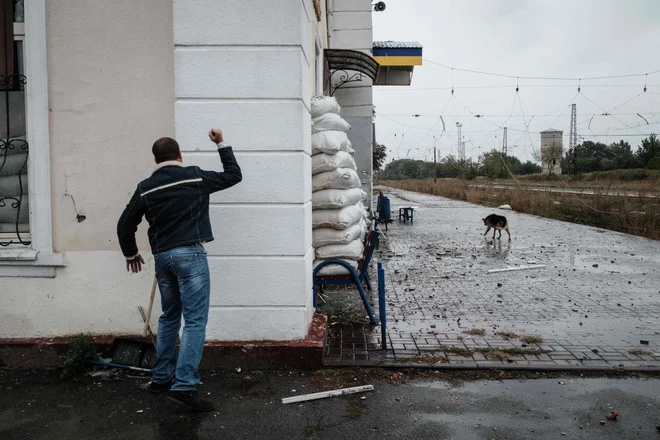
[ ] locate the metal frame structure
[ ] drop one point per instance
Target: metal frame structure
(351, 65)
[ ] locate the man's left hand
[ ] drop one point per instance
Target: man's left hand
(135, 265)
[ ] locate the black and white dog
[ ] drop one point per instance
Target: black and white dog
(497, 223)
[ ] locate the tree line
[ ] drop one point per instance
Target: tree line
(490, 164)
(587, 157)
(591, 156)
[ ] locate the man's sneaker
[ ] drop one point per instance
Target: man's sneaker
(157, 388)
(190, 398)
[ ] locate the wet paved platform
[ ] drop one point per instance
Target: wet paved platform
(596, 304)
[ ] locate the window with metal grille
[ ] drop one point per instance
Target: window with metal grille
(14, 203)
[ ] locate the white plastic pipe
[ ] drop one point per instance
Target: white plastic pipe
(324, 394)
(513, 269)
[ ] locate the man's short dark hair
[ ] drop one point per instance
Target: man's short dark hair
(165, 149)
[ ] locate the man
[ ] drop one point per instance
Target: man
(175, 201)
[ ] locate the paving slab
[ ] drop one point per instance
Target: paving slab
(595, 303)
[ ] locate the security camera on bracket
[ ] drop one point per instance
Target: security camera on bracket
(379, 7)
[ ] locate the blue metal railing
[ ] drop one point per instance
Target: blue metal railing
(381, 305)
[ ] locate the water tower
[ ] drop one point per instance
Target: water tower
(552, 150)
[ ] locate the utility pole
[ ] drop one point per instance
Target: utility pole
(572, 138)
(461, 148)
(504, 146)
(435, 165)
(461, 151)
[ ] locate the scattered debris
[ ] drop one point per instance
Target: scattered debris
(238, 370)
(512, 269)
(324, 394)
(644, 342)
(505, 207)
(613, 415)
(602, 422)
(499, 284)
(103, 373)
(639, 352)
(595, 265)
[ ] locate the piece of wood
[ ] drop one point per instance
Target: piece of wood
(324, 394)
(513, 269)
(151, 304)
(144, 318)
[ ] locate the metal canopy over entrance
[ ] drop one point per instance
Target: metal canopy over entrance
(341, 62)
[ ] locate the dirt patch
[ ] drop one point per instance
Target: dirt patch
(531, 339)
(507, 335)
(639, 352)
(513, 351)
(476, 332)
(457, 350)
(497, 355)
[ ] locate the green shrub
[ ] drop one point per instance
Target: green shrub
(82, 348)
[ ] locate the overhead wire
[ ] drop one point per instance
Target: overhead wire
(502, 86)
(439, 118)
(549, 78)
(526, 123)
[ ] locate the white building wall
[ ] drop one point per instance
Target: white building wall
(247, 68)
(110, 95)
(350, 27)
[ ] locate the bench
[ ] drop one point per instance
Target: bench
(407, 213)
(356, 277)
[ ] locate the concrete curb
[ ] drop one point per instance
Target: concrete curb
(476, 367)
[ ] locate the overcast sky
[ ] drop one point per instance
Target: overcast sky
(540, 38)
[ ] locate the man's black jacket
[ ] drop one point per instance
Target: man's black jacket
(175, 201)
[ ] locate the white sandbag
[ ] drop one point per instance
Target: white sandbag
(324, 104)
(364, 229)
(348, 147)
(341, 178)
(329, 142)
(336, 198)
(322, 162)
(326, 236)
(335, 269)
(337, 218)
(329, 122)
(350, 251)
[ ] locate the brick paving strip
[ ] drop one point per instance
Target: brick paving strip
(595, 306)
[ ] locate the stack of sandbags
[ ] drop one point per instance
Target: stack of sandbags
(338, 212)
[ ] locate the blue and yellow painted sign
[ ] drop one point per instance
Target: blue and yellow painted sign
(398, 56)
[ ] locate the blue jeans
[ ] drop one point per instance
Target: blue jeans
(184, 284)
